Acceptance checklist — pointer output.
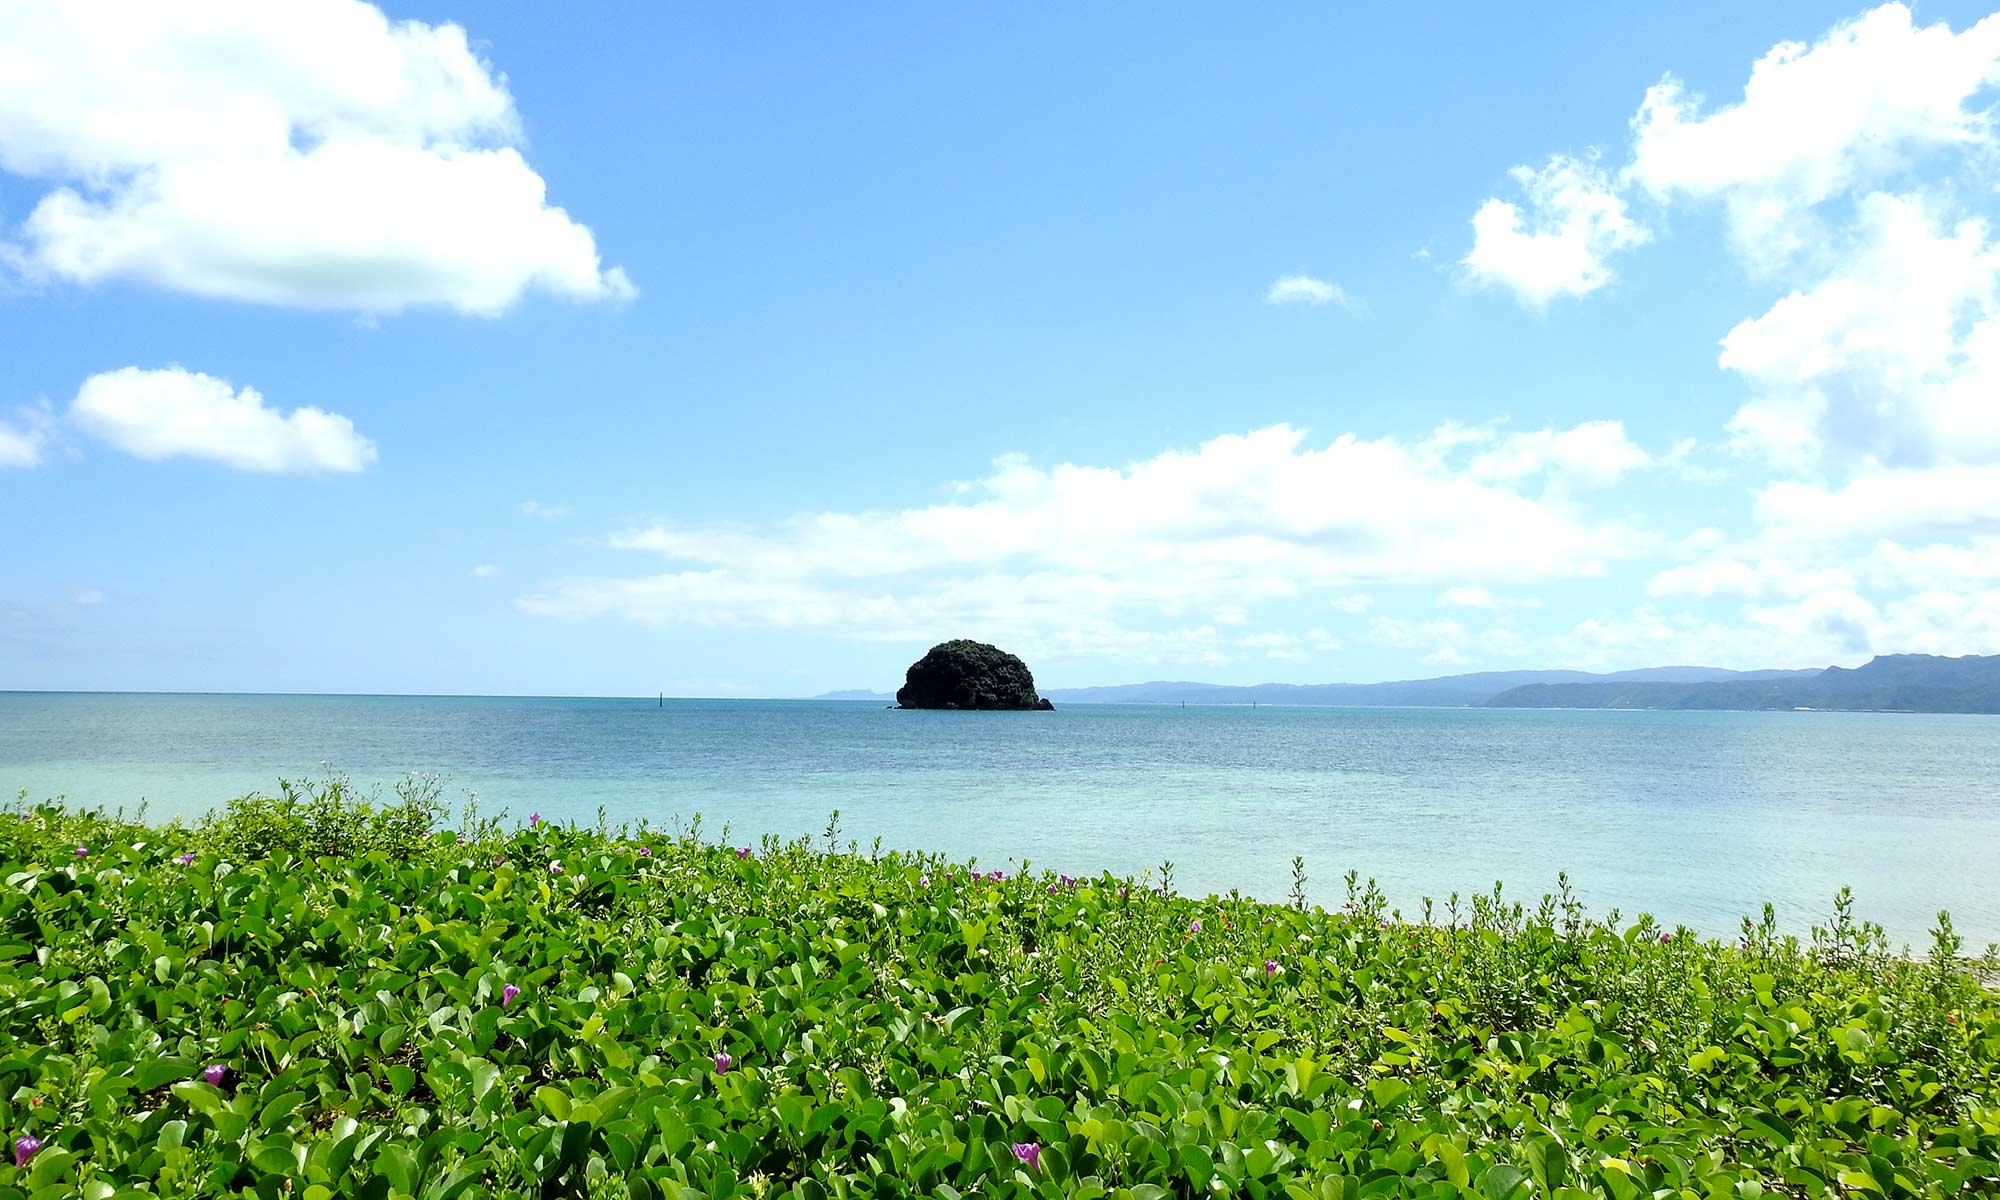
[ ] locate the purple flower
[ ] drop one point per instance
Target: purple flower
(1030, 1154)
(1194, 926)
(1121, 893)
(645, 852)
(186, 860)
(1666, 937)
(507, 995)
(534, 819)
(1270, 967)
(722, 1063)
(555, 868)
(83, 852)
(1052, 889)
(25, 1147)
(743, 852)
(215, 1073)
(923, 881)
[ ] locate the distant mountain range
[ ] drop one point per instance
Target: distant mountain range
(1892, 682)
(1450, 691)
(1889, 683)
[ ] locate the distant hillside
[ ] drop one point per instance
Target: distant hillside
(1448, 691)
(1891, 682)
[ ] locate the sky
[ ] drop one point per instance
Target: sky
(748, 350)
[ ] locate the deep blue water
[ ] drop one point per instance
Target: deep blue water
(1695, 817)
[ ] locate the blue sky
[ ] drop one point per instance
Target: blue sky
(1148, 341)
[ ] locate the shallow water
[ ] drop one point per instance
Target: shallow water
(1695, 817)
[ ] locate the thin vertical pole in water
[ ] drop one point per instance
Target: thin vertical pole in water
(663, 699)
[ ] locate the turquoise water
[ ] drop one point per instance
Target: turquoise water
(1695, 817)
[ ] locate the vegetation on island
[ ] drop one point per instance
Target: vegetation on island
(308, 997)
(965, 674)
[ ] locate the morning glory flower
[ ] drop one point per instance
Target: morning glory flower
(555, 868)
(1194, 926)
(743, 852)
(186, 860)
(722, 1063)
(1666, 937)
(1270, 967)
(507, 995)
(83, 852)
(534, 819)
(215, 1073)
(1030, 1154)
(24, 1148)
(1052, 889)
(923, 881)
(645, 852)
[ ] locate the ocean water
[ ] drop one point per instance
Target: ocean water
(1697, 818)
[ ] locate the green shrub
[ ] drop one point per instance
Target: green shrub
(325, 819)
(394, 1011)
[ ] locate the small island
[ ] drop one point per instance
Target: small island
(964, 674)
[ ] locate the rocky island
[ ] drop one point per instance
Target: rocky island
(963, 674)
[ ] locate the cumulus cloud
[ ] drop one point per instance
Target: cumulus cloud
(1072, 556)
(1856, 171)
(1593, 454)
(1817, 121)
(1304, 289)
(175, 413)
(1557, 245)
(1891, 359)
(315, 155)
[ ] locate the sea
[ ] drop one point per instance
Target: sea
(1697, 818)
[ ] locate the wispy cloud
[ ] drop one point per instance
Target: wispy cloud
(1305, 290)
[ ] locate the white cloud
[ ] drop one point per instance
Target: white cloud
(486, 571)
(1884, 503)
(312, 154)
(1356, 603)
(535, 508)
(1466, 596)
(1816, 122)
(1735, 574)
(1891, 359)
(1858, 172)
(20, 445)
(1595, 453)
(1304, 289)
(1473, 595)
(1558, 245)
(1184, 541)
(174, 413)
